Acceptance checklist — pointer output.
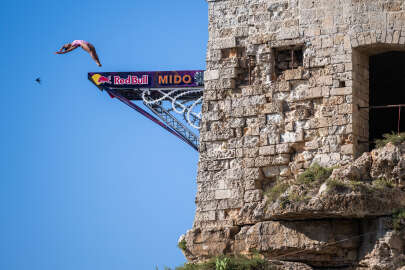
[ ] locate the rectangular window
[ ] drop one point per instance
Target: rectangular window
(288, 58)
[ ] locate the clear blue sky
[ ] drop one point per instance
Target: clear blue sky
(87, 183)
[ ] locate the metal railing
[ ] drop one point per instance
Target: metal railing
(399, 106)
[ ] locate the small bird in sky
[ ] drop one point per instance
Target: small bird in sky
(38, 80)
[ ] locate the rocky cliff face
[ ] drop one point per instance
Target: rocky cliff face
(343, 221)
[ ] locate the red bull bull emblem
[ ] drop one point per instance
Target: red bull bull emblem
(100, 79)
(103, 79)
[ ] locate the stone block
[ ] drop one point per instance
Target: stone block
(292, 137)
(327, 42)
(253, 195)
(251, 152)
(279, 236)
(283, 86)
(288, 33)
(396, 37)
(325, 80)
(315, 92)
(271, 171)
(251, 141)
(293, 74)
(252, 174)
(237, 122)
(267, 150)
(347, 149)
(228, 83)
(275, 107)
(273, 138)
(341, 91)
(223, 194)
(263, 161)
(223, 43)
(206, 216)
(274, 118)
(321, 61)
(234, 174)
(229, 73)
(283, 148)
(281, 159)
(210, 75)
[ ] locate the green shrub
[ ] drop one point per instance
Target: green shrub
(397, 218)
(255, 253)
(243, 263)
(314, 175)
(284, 201)
(222, 263)
(275, 191)
(210, 265)
(337, 185)
(182, 245)
(340, 186)
(382, 183)
(293, 197)
(360, 186)
(230, 263)
(393, 138)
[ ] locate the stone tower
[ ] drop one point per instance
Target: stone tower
(289, 83)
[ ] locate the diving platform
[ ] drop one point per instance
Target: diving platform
(171, 99)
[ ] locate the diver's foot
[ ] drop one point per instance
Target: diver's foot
(99, 64)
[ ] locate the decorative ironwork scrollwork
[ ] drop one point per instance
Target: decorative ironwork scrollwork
(188, 107)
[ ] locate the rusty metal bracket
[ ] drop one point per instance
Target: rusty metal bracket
(251, 64)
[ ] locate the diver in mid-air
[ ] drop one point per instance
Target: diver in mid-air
(88, 47)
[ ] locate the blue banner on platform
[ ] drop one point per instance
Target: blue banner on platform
(149, 79)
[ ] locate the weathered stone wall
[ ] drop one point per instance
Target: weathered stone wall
(259, 124)
(276, 126)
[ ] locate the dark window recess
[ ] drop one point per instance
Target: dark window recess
(387, 93)
(246, 67)
(342, 84)
(288, 58)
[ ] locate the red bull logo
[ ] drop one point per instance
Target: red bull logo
(100, 79)
(131, 80)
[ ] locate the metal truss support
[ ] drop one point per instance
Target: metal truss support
(175, 124)
(170, 123)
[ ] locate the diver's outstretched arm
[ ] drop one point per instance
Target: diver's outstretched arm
(66, 51)
(61, 49)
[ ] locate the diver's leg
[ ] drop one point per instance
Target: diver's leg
(92, 51)
(94, 55)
